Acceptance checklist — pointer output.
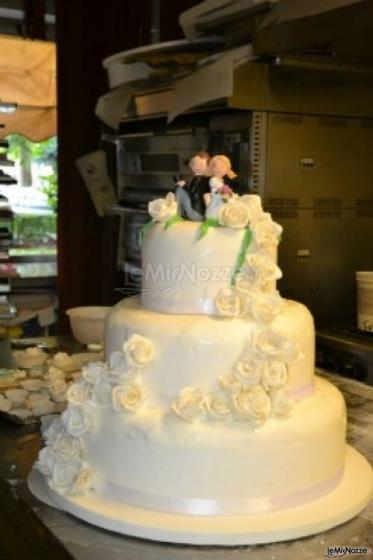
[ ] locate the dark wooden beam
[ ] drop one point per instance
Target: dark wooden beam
(35, 18)
(86, 34)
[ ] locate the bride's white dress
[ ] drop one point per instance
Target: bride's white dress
(212, 210)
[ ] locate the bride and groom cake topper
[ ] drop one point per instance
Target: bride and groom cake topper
(210, 186)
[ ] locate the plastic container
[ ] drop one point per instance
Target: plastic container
(365, 300)
(88, 323)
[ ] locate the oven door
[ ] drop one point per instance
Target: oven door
(147, 163)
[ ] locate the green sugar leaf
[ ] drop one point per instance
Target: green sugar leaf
(245, 244)
(205, 226)
(173, 220)
(146, 227)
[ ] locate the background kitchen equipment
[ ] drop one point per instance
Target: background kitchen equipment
(347, 351)
(149, 155)
(297, 137)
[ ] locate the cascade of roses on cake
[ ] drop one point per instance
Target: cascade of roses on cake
(250, 392)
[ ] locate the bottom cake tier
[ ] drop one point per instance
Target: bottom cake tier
(153, 460)
(149, 474)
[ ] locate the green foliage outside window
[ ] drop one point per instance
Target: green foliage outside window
(34, 230)
(25, 152)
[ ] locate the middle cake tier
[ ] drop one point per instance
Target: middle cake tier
(204, 351)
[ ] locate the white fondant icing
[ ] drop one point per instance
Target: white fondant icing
(183, 274)
(149, 451)
(194, 351)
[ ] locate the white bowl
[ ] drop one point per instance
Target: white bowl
(88, 323)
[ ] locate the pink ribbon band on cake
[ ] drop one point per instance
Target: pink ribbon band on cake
(302, 392)
(209, 506)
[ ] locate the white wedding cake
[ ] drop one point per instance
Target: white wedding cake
(207, 424)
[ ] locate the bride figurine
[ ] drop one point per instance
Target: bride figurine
(219, 170)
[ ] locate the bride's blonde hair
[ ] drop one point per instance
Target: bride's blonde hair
(230, 173)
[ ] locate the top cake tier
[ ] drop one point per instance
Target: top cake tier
(191, 268)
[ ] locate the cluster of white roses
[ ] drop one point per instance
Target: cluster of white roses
(252, 391)
(240, 211)
(249, 295)
(61, 460)
(235, 212)
(117, 384)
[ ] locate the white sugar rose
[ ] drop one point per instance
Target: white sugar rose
(190, 403)
(274, 376)
(218, 406)
(67, 446)
(162, 209)
(102, 390)
(117, 361)
(265, 231)
(234, 214)
(264, 307)
(249, 369)
(91, 372)
(77, 420)
(245, 282)
(51, 427)
(281, 404)
(45, 461)
(119, 368)
(252, 404)
(229, 382)
(83, 482)
(260, 269)
(139, 351)
(64, 474)
(80, 392)
(130, 395)
(254, 205)
(277, 346)
(229, 303)
(120, 374)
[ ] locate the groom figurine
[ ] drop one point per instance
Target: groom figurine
(190, 196)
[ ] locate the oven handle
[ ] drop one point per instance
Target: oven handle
(120, 210)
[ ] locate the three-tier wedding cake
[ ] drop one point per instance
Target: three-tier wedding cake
(207, 425)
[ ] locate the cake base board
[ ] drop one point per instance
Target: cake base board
(350, 496)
